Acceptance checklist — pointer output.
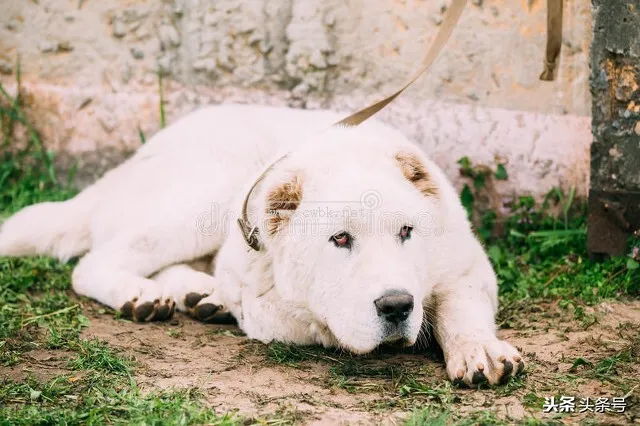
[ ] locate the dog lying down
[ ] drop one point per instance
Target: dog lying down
(361, 237)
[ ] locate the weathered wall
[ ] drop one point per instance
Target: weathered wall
(90, 68)
(614, 198)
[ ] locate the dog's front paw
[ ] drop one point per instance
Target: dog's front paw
(203, 307)
(141, 311)
(474, 362)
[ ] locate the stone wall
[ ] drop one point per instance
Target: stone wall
(614, 196)
(91, 70)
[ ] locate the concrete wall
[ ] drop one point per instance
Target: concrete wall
(90, 69)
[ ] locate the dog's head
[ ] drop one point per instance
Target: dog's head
(350, 221)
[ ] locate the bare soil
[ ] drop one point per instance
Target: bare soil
(237, 374)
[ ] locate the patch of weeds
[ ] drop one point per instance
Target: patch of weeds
(27, 175)
(432, 416)
(228, 332)
(531, 400)
(513, 385)
(35, 310)
(538, 249)
(292, 355)
(97, 399)
(176, 333)
(429, 416)
(284, 415)
(95, 355)
(356, 376)
(617, 368)
(614, 368)
(441, 393)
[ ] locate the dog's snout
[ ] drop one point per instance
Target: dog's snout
(394, 306)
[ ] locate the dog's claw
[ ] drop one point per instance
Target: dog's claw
(148, 311)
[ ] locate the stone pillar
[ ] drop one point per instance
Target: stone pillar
(614, 196)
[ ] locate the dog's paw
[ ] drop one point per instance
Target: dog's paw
(494, 362)
(155, 310)
(202, 306)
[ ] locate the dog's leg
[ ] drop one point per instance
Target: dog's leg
(195, 292)
(463, 312)
(116, 272)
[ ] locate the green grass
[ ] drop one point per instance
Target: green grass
(97, 400)
(39, 312)
(538, 249)
(434, 416)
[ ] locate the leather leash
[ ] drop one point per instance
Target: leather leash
(554, 39)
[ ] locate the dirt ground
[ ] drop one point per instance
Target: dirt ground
(314, 386)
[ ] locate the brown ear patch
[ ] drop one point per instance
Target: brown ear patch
(415, 172)
(281, 203)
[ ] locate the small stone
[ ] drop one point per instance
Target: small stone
(317, 60)
(142, 33)
(264, 47)
(69, 18)
(108, 123)
(477, 2)
(84, 103)
(150, 79)
(606, 308)
(329, 19)
(126, 72)
(65, 46)
(168, 35)
(164, 64)
(137, 53)
(637, 128)
(205, 64)
(437, 19)
(301, 89)
(12, 25)
(118, 28)
(178, 11)
(224, 60)
(255, 37)
(332, 60)
(6, 67)
(48, 46)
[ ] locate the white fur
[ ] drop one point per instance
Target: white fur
(177, 200)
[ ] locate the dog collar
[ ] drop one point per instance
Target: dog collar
(251, 233)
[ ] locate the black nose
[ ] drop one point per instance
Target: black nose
(394, 306)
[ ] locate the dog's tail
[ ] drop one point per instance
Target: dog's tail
(56, 229)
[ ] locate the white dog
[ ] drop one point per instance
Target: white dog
(360, 237)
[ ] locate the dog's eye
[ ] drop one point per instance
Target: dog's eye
(342, 239)
(405, 232)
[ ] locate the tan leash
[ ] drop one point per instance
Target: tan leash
(554, 39)
(446, 28)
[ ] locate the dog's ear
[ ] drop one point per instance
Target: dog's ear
(416, 173)
(282, 201)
